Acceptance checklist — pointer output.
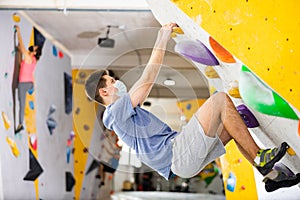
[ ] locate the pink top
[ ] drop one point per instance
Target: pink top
(26, 71)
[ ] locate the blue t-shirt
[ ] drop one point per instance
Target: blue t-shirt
(143, 132)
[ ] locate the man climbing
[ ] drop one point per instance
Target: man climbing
(169, 152)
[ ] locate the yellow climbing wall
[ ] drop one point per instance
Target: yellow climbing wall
(30, 114)
(83, 122)
(189, 107)
(234, 162)
(262, 34)
(30, 121)
(221, 28)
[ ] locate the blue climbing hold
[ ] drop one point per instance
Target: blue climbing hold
(30, 91)
(188, 106)
(31, 105)
(54, 51)
(231, 182)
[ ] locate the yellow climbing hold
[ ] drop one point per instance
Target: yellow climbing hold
(173, 35)
(16, 18)
(5, 120)
(210, 72)
(13, 146)
(212, 90)
(178, 30)
(291, 151)
(234, 90)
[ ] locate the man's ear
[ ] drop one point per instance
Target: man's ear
(103, 92)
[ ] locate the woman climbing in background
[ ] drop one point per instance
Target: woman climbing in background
(26, 79)
(110, 157)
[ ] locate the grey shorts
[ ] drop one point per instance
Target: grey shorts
(193, 150)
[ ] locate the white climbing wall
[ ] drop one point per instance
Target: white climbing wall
(51, 149)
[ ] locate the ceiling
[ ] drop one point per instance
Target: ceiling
(134, 32)
(75, 26)
(78, 31)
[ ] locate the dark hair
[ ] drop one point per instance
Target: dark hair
(31, 49)
(93, 83)
(38, 51)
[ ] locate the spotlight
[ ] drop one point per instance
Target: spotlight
(106, 42)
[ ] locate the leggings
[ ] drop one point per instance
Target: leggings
(23, 87)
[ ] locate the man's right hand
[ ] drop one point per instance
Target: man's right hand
(165, 31)
(141, 89)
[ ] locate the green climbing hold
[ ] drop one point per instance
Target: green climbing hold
(260, 97)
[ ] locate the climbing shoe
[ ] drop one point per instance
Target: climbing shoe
(280, 181)
(19, 128)
(266, 158)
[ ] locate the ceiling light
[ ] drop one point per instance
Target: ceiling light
(122, 27)
(169, 82)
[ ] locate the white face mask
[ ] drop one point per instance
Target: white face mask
(121, 88)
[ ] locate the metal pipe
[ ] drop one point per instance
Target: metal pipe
(78, 9)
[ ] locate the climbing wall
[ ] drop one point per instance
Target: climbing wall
(34, 162)
(83, 127)
(14, 148)
(257, 70)
(189, 107)
(54, 124)
(271, 50)
(89, 139)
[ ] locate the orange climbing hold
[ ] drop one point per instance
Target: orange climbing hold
(221, 52)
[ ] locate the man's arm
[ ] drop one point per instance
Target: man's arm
(141, 89)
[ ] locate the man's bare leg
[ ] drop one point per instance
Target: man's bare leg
(218, 116)
(220, 111)
(225, 138)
